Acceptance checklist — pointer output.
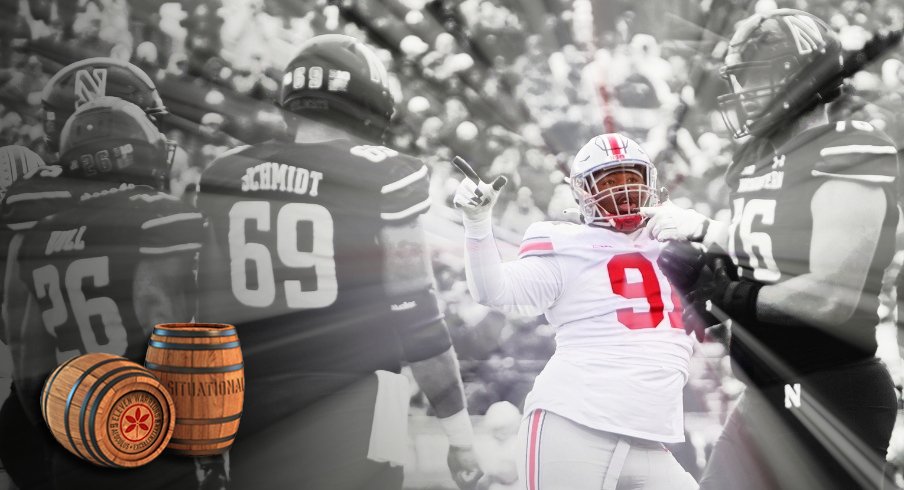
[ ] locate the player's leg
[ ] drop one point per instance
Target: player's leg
(556, 453)
(734, 462)
(845, 418)
(24, 447)
(650, 466)
(827, 431)
(324, 444)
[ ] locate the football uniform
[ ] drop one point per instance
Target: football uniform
(28, 200)
(79, 263)
(39, 194)
(622, 354)
(770, 232)
(614, 385)
(80, 266)
(298, 226)
(820, 407)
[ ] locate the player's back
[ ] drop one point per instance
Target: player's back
(298, 229)
(80, 265)
(772, 228)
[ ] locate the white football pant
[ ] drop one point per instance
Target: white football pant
(558, 454)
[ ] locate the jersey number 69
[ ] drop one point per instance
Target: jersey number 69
(284, 242)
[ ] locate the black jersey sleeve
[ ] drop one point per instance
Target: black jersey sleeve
(168, 226)
(858, 152)
(404, 183)
(30, 199)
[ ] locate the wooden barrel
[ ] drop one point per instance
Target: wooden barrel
(108, 410)
(201, 366)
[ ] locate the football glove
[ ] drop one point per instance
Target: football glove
(670, 222)
(476, 202)
(726, 294)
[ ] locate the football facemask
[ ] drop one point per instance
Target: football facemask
(615, 206)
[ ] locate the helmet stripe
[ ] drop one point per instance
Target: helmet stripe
(614, 147)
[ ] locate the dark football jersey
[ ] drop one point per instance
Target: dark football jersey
(770, 237)
(28, 200)
(80, 266)
(297, 226)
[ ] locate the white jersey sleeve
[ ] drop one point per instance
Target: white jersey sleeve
(528, 285)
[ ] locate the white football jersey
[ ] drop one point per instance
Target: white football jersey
(622, 353)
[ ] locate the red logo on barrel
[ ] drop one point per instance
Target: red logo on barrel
(136, 423)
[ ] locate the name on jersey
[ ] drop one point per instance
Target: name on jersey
(272, 176)
(771, 181)
(65, 240)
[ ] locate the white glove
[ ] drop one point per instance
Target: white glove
(476, 202)
(670, 222)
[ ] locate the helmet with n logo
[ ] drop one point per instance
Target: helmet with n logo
(85, 80)
(111, 139)
(339, 79)
(15, 162)
(608, 201)
(779, 64)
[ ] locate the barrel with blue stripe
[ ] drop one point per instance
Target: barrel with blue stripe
(108, 410)
(200, 364)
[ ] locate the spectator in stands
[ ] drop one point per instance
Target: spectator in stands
(203, 23)
(522, 212)
(89, 40)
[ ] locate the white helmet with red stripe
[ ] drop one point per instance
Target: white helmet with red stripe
(611, 179)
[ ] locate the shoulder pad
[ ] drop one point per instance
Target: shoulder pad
(538, 240)
(857, 151)
(168, 225)
(34, 197)
(404, 192)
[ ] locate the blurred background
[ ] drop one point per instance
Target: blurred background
(515, 87)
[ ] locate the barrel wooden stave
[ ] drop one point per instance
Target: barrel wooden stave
(85, 403)
(208, 404)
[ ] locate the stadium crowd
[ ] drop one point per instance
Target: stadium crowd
(513, 87)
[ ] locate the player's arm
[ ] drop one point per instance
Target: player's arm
(671, 222)
(422, 329)
(213, 277)
(426, 342)
(32, 347)
(841, 252)
(164, 287)
(15, 293)
(533, 282)
(164, 290)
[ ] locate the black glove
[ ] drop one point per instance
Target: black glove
(685, 267)
(681, 262)
(729, 296)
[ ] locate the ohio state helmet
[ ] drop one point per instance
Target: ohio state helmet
(15, 162)
(797, 61)
(111, 139)
(338, 78)
(88, 79)
(602, 155)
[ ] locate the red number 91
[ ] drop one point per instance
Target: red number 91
(647, 288)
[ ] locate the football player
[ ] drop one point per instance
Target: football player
(318, 257)
(29, 194)
(16, 162)
(611, 395)
(812, 230)
(98, 276)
